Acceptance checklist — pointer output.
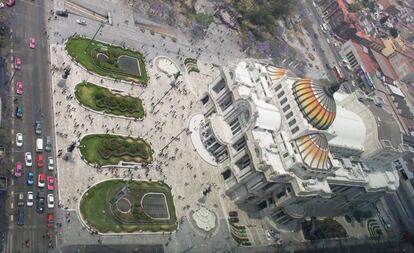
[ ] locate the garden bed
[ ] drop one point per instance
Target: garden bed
(101, 99)
(99, 210)
(103, 59)
(107, 149)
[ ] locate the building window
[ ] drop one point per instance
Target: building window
(278, 87)
(262, 205)
(281, 94)
(289, 115)
(295, 129)
(267, 186)
(283, 101)
(292, 122)
(287, 107)
(226, 174)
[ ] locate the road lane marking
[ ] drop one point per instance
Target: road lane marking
(12, 205)
(12, 182)
(12, 193)
(11, 217)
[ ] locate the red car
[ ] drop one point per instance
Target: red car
(19, 88)
(32, 42)
(10, 3)
(50, 220)
(50, 183)
(17, 63)
(39, 160)
(41, 178)
(19, 169)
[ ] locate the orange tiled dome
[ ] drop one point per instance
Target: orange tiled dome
(314, 151)
(316, 102)
(275, 73)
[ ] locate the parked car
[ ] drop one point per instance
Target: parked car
(233, 214)
(63, 13)
(17, 63)
(32, 42)
(50, 163)
(30, 178)
(1, 5)
(18, 170)
(41, 179)
(50, 201)
(30, 199)
(28, 159)
(50, 183)
(50, 220)
(19, 139)
(38, 127)
(48, 146)
(81, 21)
(39, 160)
(19, 88)
(19, 112)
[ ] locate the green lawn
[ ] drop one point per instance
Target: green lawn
(107, 149)
(94, 207)
(78, 48)
(101, 99)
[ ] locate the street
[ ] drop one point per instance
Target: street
(27, 21)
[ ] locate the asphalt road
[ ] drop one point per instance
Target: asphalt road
(28, 21)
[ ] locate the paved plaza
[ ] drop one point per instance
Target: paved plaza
(165, 126)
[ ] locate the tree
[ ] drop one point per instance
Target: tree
(393, 32)
(354, 7)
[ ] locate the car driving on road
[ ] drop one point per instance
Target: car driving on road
(19, 112)
(41, 178)
(28, 159)
(50, 163)
(39, 160)
(50, 201)
(38, 127)
(40, 202)
(17, 63)
(30, 199)
(50, 183)
(19, 88)
(19, 139)
(50, 220)
(18, 170)
(32, 42)
(30, 178)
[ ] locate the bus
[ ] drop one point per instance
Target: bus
(337, 73)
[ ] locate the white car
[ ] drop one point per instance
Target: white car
(19, 139)
(28, 159)
(1, 5)
(50, 163)
(30, 198)
(81, 22)
(50, 200)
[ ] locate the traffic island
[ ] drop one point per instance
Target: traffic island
(108, 149)
(125, 206)
(108, 60)
(103, 100)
